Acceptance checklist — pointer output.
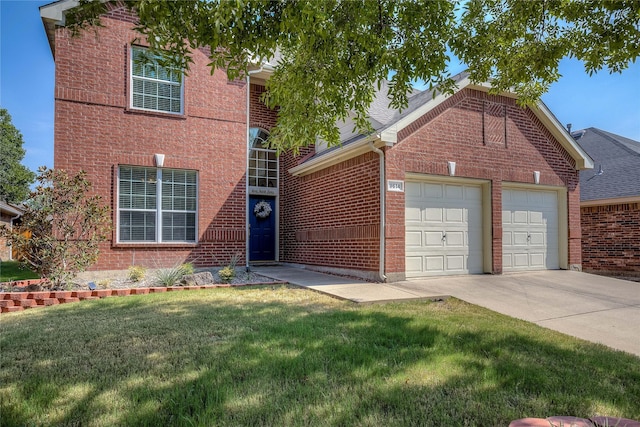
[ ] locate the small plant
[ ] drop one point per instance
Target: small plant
(227, 274)
(104, 283)
(170, 276)
(137, 272)
(187, 268)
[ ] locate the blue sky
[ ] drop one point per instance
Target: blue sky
(607, 101)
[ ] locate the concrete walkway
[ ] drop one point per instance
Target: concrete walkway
(595, 308)
(341, 287)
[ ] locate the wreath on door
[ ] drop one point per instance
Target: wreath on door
(262, 209)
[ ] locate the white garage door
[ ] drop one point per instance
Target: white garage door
(529, 230)
(443, 224)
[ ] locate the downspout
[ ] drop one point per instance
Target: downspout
(382, 210)
(247, 229)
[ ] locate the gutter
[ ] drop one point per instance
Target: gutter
(380, 153)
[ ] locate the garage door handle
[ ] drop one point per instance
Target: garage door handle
(444, 236)
(528, 237)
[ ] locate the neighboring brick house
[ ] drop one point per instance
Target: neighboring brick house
(460, 184)
(610, 203)
(8, 214)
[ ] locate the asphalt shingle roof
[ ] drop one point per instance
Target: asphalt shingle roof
(381, 115)
(619, 160)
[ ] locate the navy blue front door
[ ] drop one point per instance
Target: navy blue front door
(262, 232)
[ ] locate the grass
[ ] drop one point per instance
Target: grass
(11, 271)
(275, 355)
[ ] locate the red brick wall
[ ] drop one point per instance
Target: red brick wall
(331, 217)
(611, 239)
(490, 138)
(96, 131)
(259, 115)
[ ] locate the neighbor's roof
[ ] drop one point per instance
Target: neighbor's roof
(618, 160)
(10, 209)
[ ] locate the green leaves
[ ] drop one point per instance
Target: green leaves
(14, 177)
(62, 227)
(332, 54)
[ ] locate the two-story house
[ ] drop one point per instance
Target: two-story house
(455, 184)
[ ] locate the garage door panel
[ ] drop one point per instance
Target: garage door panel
(414, 238)
(431, 191)
(530, 230)
(455, 238)
(433, 238)
(454, 192)
(413, 264)
(433, 215)
(454, 215)
(507, 238)
(520, 217)
(537, 239)
(434, 263)
(520, 260)
(537, 260)
(536, 218)
(451, 227)
(412, 214)
(412, 189)
(455, 263)
(519, 238)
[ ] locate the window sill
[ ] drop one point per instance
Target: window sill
(175, 116)
(153, 245)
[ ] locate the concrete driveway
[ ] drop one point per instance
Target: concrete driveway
(594, 308)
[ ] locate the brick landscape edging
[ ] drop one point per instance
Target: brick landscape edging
(18, 301)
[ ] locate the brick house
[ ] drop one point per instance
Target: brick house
(610, 203)
(461, 184)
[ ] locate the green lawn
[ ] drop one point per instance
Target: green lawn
(11, 271)
(273, 356)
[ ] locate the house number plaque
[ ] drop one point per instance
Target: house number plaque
(394, 185)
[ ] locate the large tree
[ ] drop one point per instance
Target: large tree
(14, 177)
(333, 53)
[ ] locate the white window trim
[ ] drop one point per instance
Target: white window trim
(256, 169)
(131, 78)
(158, 211)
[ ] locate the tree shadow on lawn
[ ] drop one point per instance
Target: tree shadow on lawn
(152, 361)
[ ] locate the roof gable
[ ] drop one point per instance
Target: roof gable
(388, 125)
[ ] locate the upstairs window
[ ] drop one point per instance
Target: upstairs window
(157, 205)
(153, 86)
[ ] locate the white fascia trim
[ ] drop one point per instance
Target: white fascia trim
(583, 160)
(55, 11)
(339, 155)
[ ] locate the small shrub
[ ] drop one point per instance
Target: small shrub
(170, 276)
(62, 228)
(187, 268)
(227, 274)
(104, 283)
(137, 272)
